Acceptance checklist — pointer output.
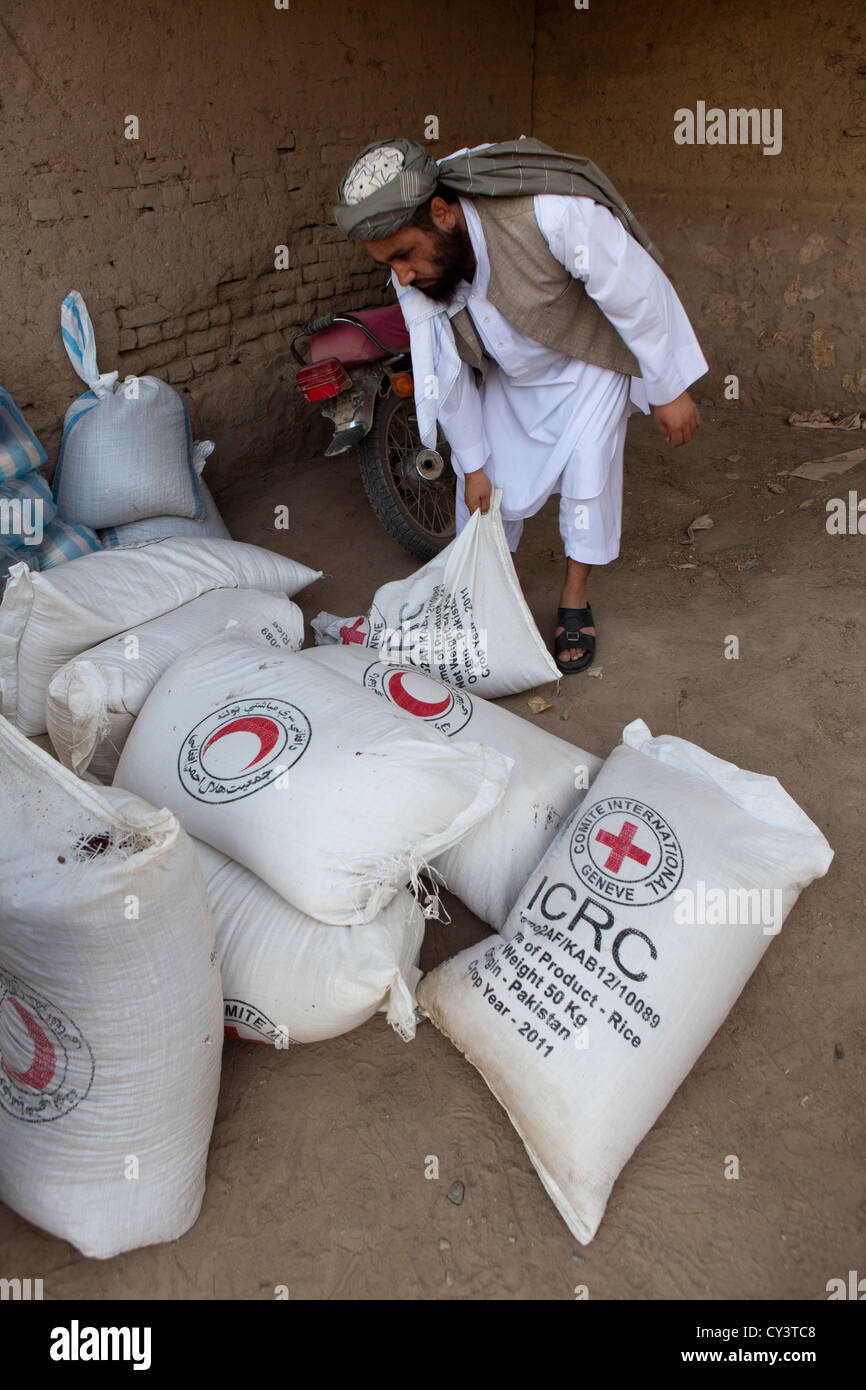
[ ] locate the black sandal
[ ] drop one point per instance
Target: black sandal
(572, 620)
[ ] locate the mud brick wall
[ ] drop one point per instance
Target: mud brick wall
(767, 251)
(247, 118)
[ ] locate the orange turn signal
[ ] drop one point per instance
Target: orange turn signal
(403, 384)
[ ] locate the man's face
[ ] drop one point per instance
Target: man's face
(433, 262)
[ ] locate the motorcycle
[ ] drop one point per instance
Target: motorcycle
(360, 373)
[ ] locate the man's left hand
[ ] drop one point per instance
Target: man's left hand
(678, 420)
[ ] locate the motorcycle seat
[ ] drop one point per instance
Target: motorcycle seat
(351, 347)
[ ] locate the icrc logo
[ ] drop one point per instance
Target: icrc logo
(626, 852)
(241, 748)
(46, 1065)
(418, 694)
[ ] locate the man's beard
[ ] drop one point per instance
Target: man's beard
(453, 259)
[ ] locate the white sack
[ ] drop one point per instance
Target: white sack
(126, 451)
(462, 617)
(110, 1010)
(325, 794)
(288, 978)
(45, 619)
(588, 1017)
(488, 868)
(157, 528)
(93, 700)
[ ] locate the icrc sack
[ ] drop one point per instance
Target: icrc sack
(110, 1010)
(93, 700)
(126, 451)
(327, 795)
(487, 869)
(45, 619)
(288, 978)
(462, 617)
(615, 975)
(158, 528)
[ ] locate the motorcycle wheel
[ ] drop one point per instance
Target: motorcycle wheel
(413, 505)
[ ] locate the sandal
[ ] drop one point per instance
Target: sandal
(572, 620)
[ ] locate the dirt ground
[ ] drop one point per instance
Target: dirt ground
(316, 1177)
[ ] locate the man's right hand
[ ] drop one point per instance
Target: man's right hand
(478, 491)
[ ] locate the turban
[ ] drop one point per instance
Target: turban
(390, 179)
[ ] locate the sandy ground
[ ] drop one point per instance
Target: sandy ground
(316, 1177)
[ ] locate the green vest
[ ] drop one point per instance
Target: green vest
(537, 295)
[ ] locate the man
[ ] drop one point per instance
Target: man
(539, 321)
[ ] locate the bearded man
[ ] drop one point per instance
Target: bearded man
(539, 321)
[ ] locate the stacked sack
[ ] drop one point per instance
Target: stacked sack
(31, 532)
(110, 1010)
(127, 465)
(316, 804)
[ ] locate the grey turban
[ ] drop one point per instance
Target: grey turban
(390, 179)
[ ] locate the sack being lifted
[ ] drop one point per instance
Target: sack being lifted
(93, 700)
(488, 868)
(462, 617)
(624, 953)
(325, 794)
(110, 1010)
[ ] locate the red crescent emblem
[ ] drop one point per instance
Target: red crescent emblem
(44, 1063)
(265, 730)
(423, 708)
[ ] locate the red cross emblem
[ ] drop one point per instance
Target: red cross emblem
(352, 634)
(621, 847)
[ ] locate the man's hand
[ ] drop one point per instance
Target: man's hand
(678, 420)
(478, 491)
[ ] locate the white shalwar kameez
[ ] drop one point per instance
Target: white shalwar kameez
(545, 423)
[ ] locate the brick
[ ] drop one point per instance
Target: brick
(179, 371)
(338, 154)
(145, 199)
(77, 205)
(263, 303)
(130, 364)
(275, 185)
(142, 314)
(253, 188)
(316, 272)
(201, 191)
(284, 297)
(155, 170)
(326, 289)
(241, 309)
(302, 252)
(196, 322)
(286, 142)
(174, 195)
(253, 327)
(127, 339)
(272, 342)
(220, 315)
(117, 176)
(159, 353)
(226, 185)
(208, 340)
(212, 166)
(307, 293)
(285, 318)
(232, 289)
(205, 363)
(45, 209)
(172, 328)
(148, 333)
